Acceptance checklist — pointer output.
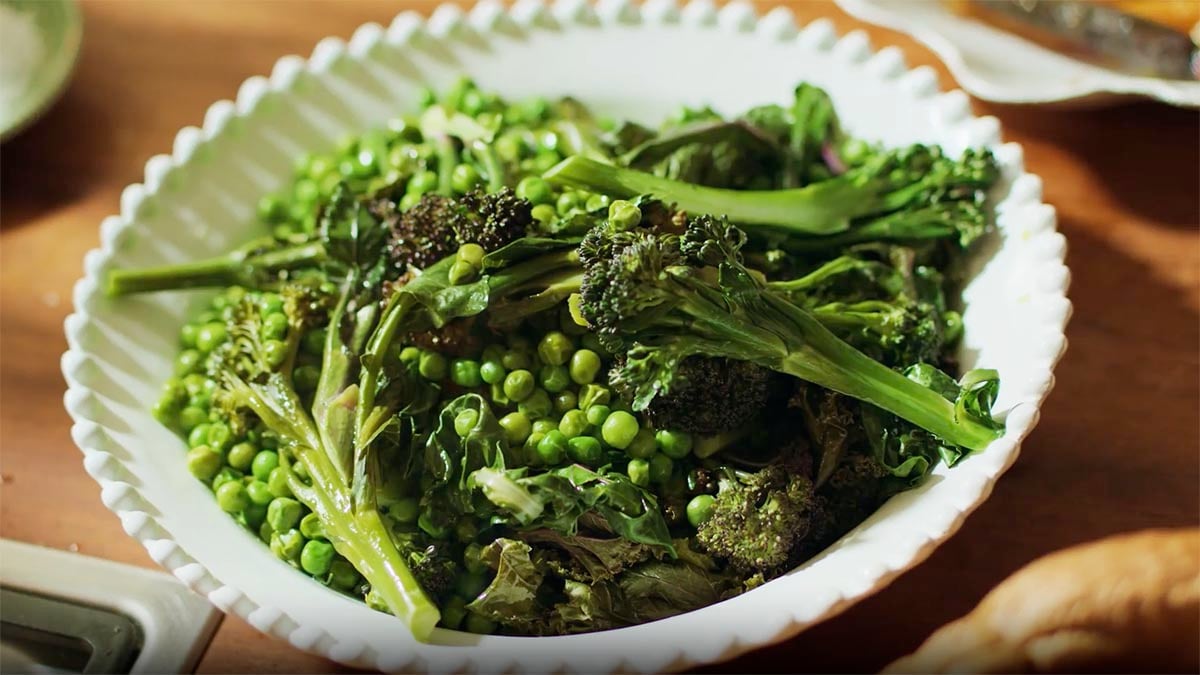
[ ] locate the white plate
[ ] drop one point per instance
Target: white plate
(998, 66)
(625, 60)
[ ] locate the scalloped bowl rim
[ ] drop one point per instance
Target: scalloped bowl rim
(760, 617)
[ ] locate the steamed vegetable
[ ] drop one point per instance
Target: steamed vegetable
(509, 367)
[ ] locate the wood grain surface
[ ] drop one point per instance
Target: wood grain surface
(1117, 449)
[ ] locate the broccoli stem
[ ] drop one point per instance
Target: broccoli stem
(236, 269)
(939, 221)
(359, 534)
(816, 355)
(819, 209)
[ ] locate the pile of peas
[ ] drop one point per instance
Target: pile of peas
(241, 466)
(398, 159)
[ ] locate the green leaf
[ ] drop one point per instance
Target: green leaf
(596, 559)
(511, 599)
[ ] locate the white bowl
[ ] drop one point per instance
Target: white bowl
(624, 60)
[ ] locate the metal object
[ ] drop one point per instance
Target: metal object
(1133, 43)
(65, 612)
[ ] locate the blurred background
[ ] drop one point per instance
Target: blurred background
(1117, 448)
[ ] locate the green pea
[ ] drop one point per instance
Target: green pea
(465, 373)
(544, 426)
(555, 348)
(407, 202)
(203, 462)
(516, 427)
(432, 366)
(232, 497)
(288, 545)
(565, 401)
(518, 385)
(465, 531)
(310, 527)
(639, 472)
(316, 557)
(465, 421)
(623, 215)
(277, 482)
(306, 191)
(187, 335)
(585, 450)
(536, 190)
(674, 444)
(254, 515)
(554, 378)
(471, 254)
(410, 354)
(241, 456)
(661, 467)
(226, 475)
(515, 359)
(219, 436)
(569, 201)
(426, 97)
(188, 361)
(573, 423)
(464, 177)
(585, 365)
(619, 429)
(274, 326)
(509, 148)
(453, 613)
(275, 351)
(700, 509)
(284, 513)
(492, 372)
(593, 394)
(537, 405)
(544, 161)
(643, 445)
(461, 272)
(422, 182)
(265, 531)
(597, 202)
(405, 510)
(543, 213)
(198, 436)
(553, 447)
(306, 378)
(264, 463)
(313, 342)
(259, 493)
(192, 416)
(597, 414)
(342, 575)
(209, 336)
(479, 624)
(271, 209)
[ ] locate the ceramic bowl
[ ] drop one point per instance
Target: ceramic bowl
(625, 60)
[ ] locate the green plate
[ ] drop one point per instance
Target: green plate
(59, 27)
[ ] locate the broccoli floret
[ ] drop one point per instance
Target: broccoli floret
(759, 520)
(491, 219)
(661, 298)
(433, 563)
(437, 225)
(709, 396)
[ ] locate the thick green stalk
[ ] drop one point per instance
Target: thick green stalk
(236, 269)
(818, 356)
(360, 535)
(819, 209)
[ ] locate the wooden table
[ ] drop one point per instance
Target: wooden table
(1117, 448)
